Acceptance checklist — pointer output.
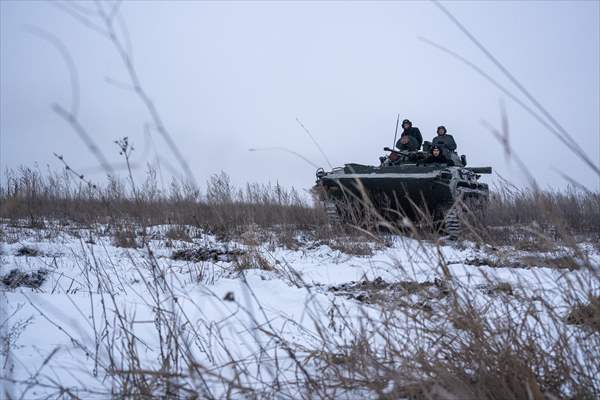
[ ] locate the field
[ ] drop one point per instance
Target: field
(249, 293)
(123, 283)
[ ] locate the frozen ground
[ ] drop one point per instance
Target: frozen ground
(65, 329)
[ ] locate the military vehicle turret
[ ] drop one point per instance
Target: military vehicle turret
(404, 185)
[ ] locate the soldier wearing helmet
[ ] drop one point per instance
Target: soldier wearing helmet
(437, 157)
(411, 138)
(443, 140)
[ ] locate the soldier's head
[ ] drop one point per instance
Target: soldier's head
(435, 151)
(441, 130)
(406, 124)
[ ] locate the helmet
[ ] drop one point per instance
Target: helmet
(441, 127)
(406, 121)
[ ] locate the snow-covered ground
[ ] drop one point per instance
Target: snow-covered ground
(233, 310)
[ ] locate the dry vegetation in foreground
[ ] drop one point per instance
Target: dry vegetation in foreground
(514, 216)
(33, 197)
(526, 349)
(520, 347)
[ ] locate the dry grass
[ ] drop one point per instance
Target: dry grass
(252, 260)
(464, 351)
(587, 314)
(544, 212)
(179, 232)
(31, 196)
(126, 237)
(529, 220)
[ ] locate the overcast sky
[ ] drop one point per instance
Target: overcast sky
(229, 76)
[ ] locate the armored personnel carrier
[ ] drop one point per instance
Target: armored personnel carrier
(404, 186)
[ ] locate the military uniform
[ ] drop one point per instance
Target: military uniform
(441, 159)
(415, 140)
(445, 142)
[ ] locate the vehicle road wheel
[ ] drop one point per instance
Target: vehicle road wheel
(453, 224)
(332, 212)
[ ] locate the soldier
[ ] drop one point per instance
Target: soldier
(437, 157)
(443, 140)
(411, 138)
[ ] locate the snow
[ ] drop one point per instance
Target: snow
(55, 329)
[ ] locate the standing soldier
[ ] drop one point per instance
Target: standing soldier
(444, 140)
(411, 138)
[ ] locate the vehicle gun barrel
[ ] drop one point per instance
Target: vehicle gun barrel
(395, 151)
(480, 170)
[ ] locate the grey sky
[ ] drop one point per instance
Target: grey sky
(230, 76)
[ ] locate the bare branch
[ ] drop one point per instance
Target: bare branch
(68, 8)
(314, 141)
(572, 142)
(287, 151)
(64, 53)
(568, 143)
(87, 139)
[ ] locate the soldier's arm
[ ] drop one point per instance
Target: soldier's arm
(451, 143)
(399, 143)
(418, 136)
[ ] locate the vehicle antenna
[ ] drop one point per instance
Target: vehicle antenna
(396, 132)
(314, 141)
